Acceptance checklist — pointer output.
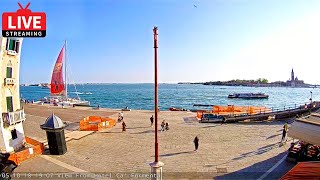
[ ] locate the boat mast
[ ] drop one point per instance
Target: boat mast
(65, 69)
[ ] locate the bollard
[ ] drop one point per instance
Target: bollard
(54, 128)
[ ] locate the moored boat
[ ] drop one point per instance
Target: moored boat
(249, 95)
(126, 109)
(45, 86)
(58, 87)
(177, 109)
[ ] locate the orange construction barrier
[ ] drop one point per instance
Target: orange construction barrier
(34, 148)
(96, 123)
(200, 112)
(231, 109)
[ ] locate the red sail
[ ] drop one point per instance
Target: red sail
(57, 85)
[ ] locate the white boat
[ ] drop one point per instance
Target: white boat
(249, 96)
(59, 88)
(126, 109)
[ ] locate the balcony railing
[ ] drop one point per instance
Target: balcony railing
(11, 118)
(12, 52)
(9, 81)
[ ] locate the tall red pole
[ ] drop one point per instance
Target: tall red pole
(155, 38)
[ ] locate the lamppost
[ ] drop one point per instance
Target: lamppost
(156, 166)
(310, 102)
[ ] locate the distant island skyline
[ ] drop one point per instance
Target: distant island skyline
(260, 82)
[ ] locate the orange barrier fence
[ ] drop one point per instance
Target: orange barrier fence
(200, 112)
(27, 153)
(96, 123)
(234, 110)
(239, 109)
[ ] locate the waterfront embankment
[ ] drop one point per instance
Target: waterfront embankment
(231, 149)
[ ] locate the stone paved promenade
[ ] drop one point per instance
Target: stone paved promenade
(225, 151)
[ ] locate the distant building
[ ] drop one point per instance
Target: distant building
(11, 114)
(294, 81)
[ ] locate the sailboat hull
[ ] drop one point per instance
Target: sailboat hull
(61, 101)
(74, 102)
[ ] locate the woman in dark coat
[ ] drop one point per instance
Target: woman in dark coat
(124, 126)
(196, 143)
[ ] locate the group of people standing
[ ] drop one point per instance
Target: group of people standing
(164, 124)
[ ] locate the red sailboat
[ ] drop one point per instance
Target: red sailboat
(59, 88)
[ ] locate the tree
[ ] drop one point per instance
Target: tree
(265, 81)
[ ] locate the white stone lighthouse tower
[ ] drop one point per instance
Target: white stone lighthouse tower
(11, 115)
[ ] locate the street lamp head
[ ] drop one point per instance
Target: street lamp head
(155, 30)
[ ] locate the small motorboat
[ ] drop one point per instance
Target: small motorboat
(249, 95)
(126, 109)
(177, 109)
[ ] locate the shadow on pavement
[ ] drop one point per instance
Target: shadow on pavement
(139, 127)
(144, 132)
(261, 150)
(273, 136)
(209, 126)
(174, 154)
(258, 169)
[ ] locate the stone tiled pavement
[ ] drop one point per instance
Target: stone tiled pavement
(229, 147)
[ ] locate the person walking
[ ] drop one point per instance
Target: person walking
(119, 118)
(124, 126)
(223, 120)
(196, 143)
(284, 131)
(121, 114)
(167, 126)
(151, 120)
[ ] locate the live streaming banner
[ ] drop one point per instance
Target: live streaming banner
(24, 23)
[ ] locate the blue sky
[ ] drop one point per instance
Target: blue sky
(112, 41)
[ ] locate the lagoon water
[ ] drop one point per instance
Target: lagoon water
(141, 96)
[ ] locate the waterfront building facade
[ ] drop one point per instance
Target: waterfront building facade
(12, 116)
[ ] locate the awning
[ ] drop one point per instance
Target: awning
(303, 170)
(307, 129)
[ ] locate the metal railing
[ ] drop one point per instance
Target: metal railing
(274, 110)
(9, 81)
(11, 118)
(286, 109)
